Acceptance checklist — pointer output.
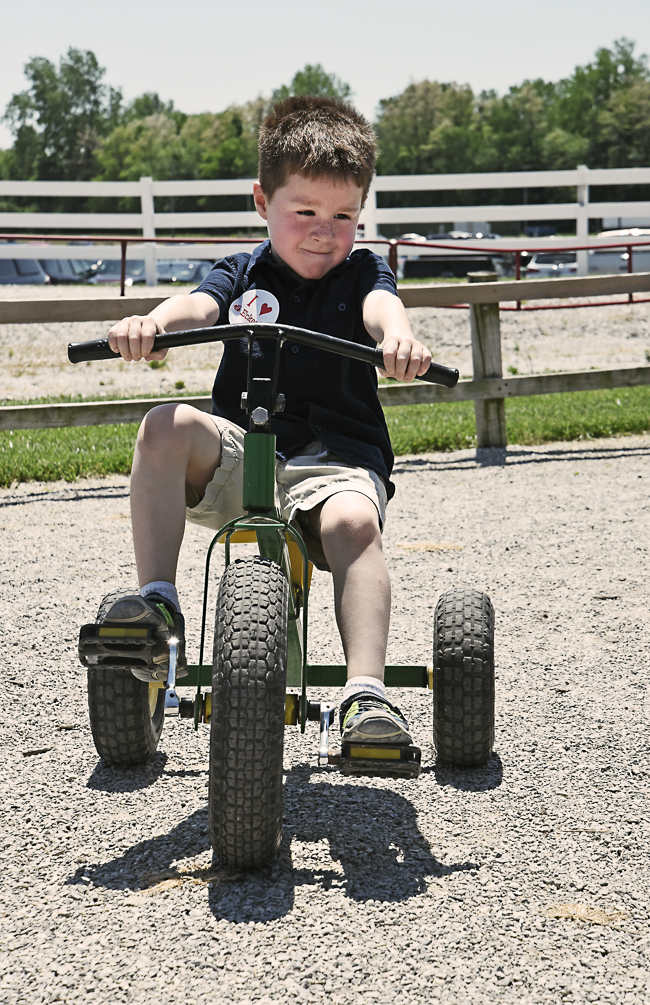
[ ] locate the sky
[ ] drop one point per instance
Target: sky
(206, 56)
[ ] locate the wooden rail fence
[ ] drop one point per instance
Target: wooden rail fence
(487, 389)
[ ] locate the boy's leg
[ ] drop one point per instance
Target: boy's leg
(177, 444)
(348, 525)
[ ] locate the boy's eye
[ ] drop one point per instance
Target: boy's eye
(306, 212)
(342, 216)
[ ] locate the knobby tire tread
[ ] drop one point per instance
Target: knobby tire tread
(124, 730)
(463, 678)
(247, 720)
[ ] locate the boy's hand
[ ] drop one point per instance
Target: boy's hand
(386, 320)
(404, 357)
(133, 338)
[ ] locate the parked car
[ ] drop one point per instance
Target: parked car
(547, 264)
(22, 272)
(65, 270)
(169, 271)
(108, 271)
(612, 260)
(440, 263)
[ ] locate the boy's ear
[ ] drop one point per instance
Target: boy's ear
(260, 200)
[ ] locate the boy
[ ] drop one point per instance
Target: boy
(317, 159)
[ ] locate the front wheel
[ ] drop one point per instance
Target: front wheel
(247, 720)
(463, 678)
(126, 715)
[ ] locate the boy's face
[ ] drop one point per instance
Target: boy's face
(312, 222)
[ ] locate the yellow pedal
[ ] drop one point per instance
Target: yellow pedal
(376, 753)
(122, 633)
(379, 761)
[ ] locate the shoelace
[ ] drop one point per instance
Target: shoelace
(368, 703)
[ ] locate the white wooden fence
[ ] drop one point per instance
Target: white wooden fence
(148, 221)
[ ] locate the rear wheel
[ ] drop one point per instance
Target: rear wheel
(463, 678)
(247, 718)
(126, 715)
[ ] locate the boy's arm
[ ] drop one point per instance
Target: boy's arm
(385, 318)
(133, 337)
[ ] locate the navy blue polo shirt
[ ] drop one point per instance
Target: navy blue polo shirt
(328, 397)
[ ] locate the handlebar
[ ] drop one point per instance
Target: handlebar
(79, 352)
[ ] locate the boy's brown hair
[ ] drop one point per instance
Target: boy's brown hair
(315, 137)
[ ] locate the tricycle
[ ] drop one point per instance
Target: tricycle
(259, 680)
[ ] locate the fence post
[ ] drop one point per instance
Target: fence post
(369, 215)
(486, 360)
(582, 222)
(148, 229)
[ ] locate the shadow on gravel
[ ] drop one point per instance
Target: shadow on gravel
(376, 850)
(72, 495)
(150, 860)
(500, 457)
(488, 776)
(107, 778)
(365, 840)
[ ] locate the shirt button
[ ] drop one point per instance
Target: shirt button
(295, 348)
(296, 300)
(341, 307)
(317, 427)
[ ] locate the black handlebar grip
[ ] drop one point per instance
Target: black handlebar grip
(436, 374)
(79, 352)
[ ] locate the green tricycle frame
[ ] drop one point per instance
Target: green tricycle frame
(261, 643)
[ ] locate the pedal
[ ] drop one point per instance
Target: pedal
(378, 760)
(114, 646)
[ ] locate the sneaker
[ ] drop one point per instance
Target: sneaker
(156, 610)
(365, 718)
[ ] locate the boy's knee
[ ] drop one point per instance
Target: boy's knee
(169, 426)
(353, 520)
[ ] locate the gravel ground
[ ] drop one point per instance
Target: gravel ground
(522, 882)
(33, 360)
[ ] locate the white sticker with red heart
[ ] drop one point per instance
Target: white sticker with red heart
(254, 306)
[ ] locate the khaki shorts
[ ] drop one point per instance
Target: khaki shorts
(302, 482)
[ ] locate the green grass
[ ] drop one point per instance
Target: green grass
(65, 399)
(416, 429)
(53, 454)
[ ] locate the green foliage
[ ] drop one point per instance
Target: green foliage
(59, 120)
(429, 127)
(168, 145)
(313, 80)
(599, 115)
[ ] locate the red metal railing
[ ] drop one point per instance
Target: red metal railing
(393, 246)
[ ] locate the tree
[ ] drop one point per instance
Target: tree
(429, 128)
(148, 146)
(313, 80)
(59, 120)
(623, 127)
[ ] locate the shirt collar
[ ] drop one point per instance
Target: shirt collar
(263, 254)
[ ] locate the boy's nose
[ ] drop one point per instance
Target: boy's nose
(322, 231)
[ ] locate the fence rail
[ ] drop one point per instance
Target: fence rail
(488, 389)
(435, 295)
(148, 221)
(98, 413)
